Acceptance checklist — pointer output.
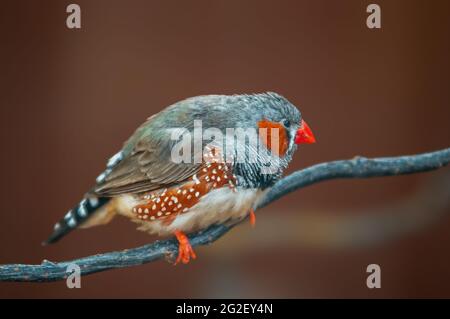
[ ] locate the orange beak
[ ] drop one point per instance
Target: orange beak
(304, 134)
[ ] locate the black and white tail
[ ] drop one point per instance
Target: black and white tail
(75, 217)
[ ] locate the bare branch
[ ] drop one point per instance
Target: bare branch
(359, 167)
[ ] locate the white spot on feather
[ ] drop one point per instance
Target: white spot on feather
(82, 211)
(71, 222)
(93, 201)
(114, 159)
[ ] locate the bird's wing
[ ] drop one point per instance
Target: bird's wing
(146, 167)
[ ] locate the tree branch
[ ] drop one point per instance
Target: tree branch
(358, 167)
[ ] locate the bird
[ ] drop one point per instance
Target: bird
(218, 183)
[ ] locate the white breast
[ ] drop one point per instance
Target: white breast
(218, 206)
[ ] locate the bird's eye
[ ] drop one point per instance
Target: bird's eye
(286, 123)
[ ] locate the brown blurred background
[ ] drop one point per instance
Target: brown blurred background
(69, 98)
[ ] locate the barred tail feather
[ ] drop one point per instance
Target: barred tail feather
(76, 217)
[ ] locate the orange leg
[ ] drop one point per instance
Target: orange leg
(252, 217)
(185, 251)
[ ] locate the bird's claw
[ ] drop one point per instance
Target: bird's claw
(185, 251)
(252, 217)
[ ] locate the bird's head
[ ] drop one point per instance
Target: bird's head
(279, 117)
(280, 128)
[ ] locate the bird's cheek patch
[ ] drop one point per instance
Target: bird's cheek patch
(272, 133)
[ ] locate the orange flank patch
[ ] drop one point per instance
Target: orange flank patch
(267, 139)
(167, 204)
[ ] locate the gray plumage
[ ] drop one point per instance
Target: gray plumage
(144, 164)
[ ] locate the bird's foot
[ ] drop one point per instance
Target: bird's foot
(185, 251)
(252, 217)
